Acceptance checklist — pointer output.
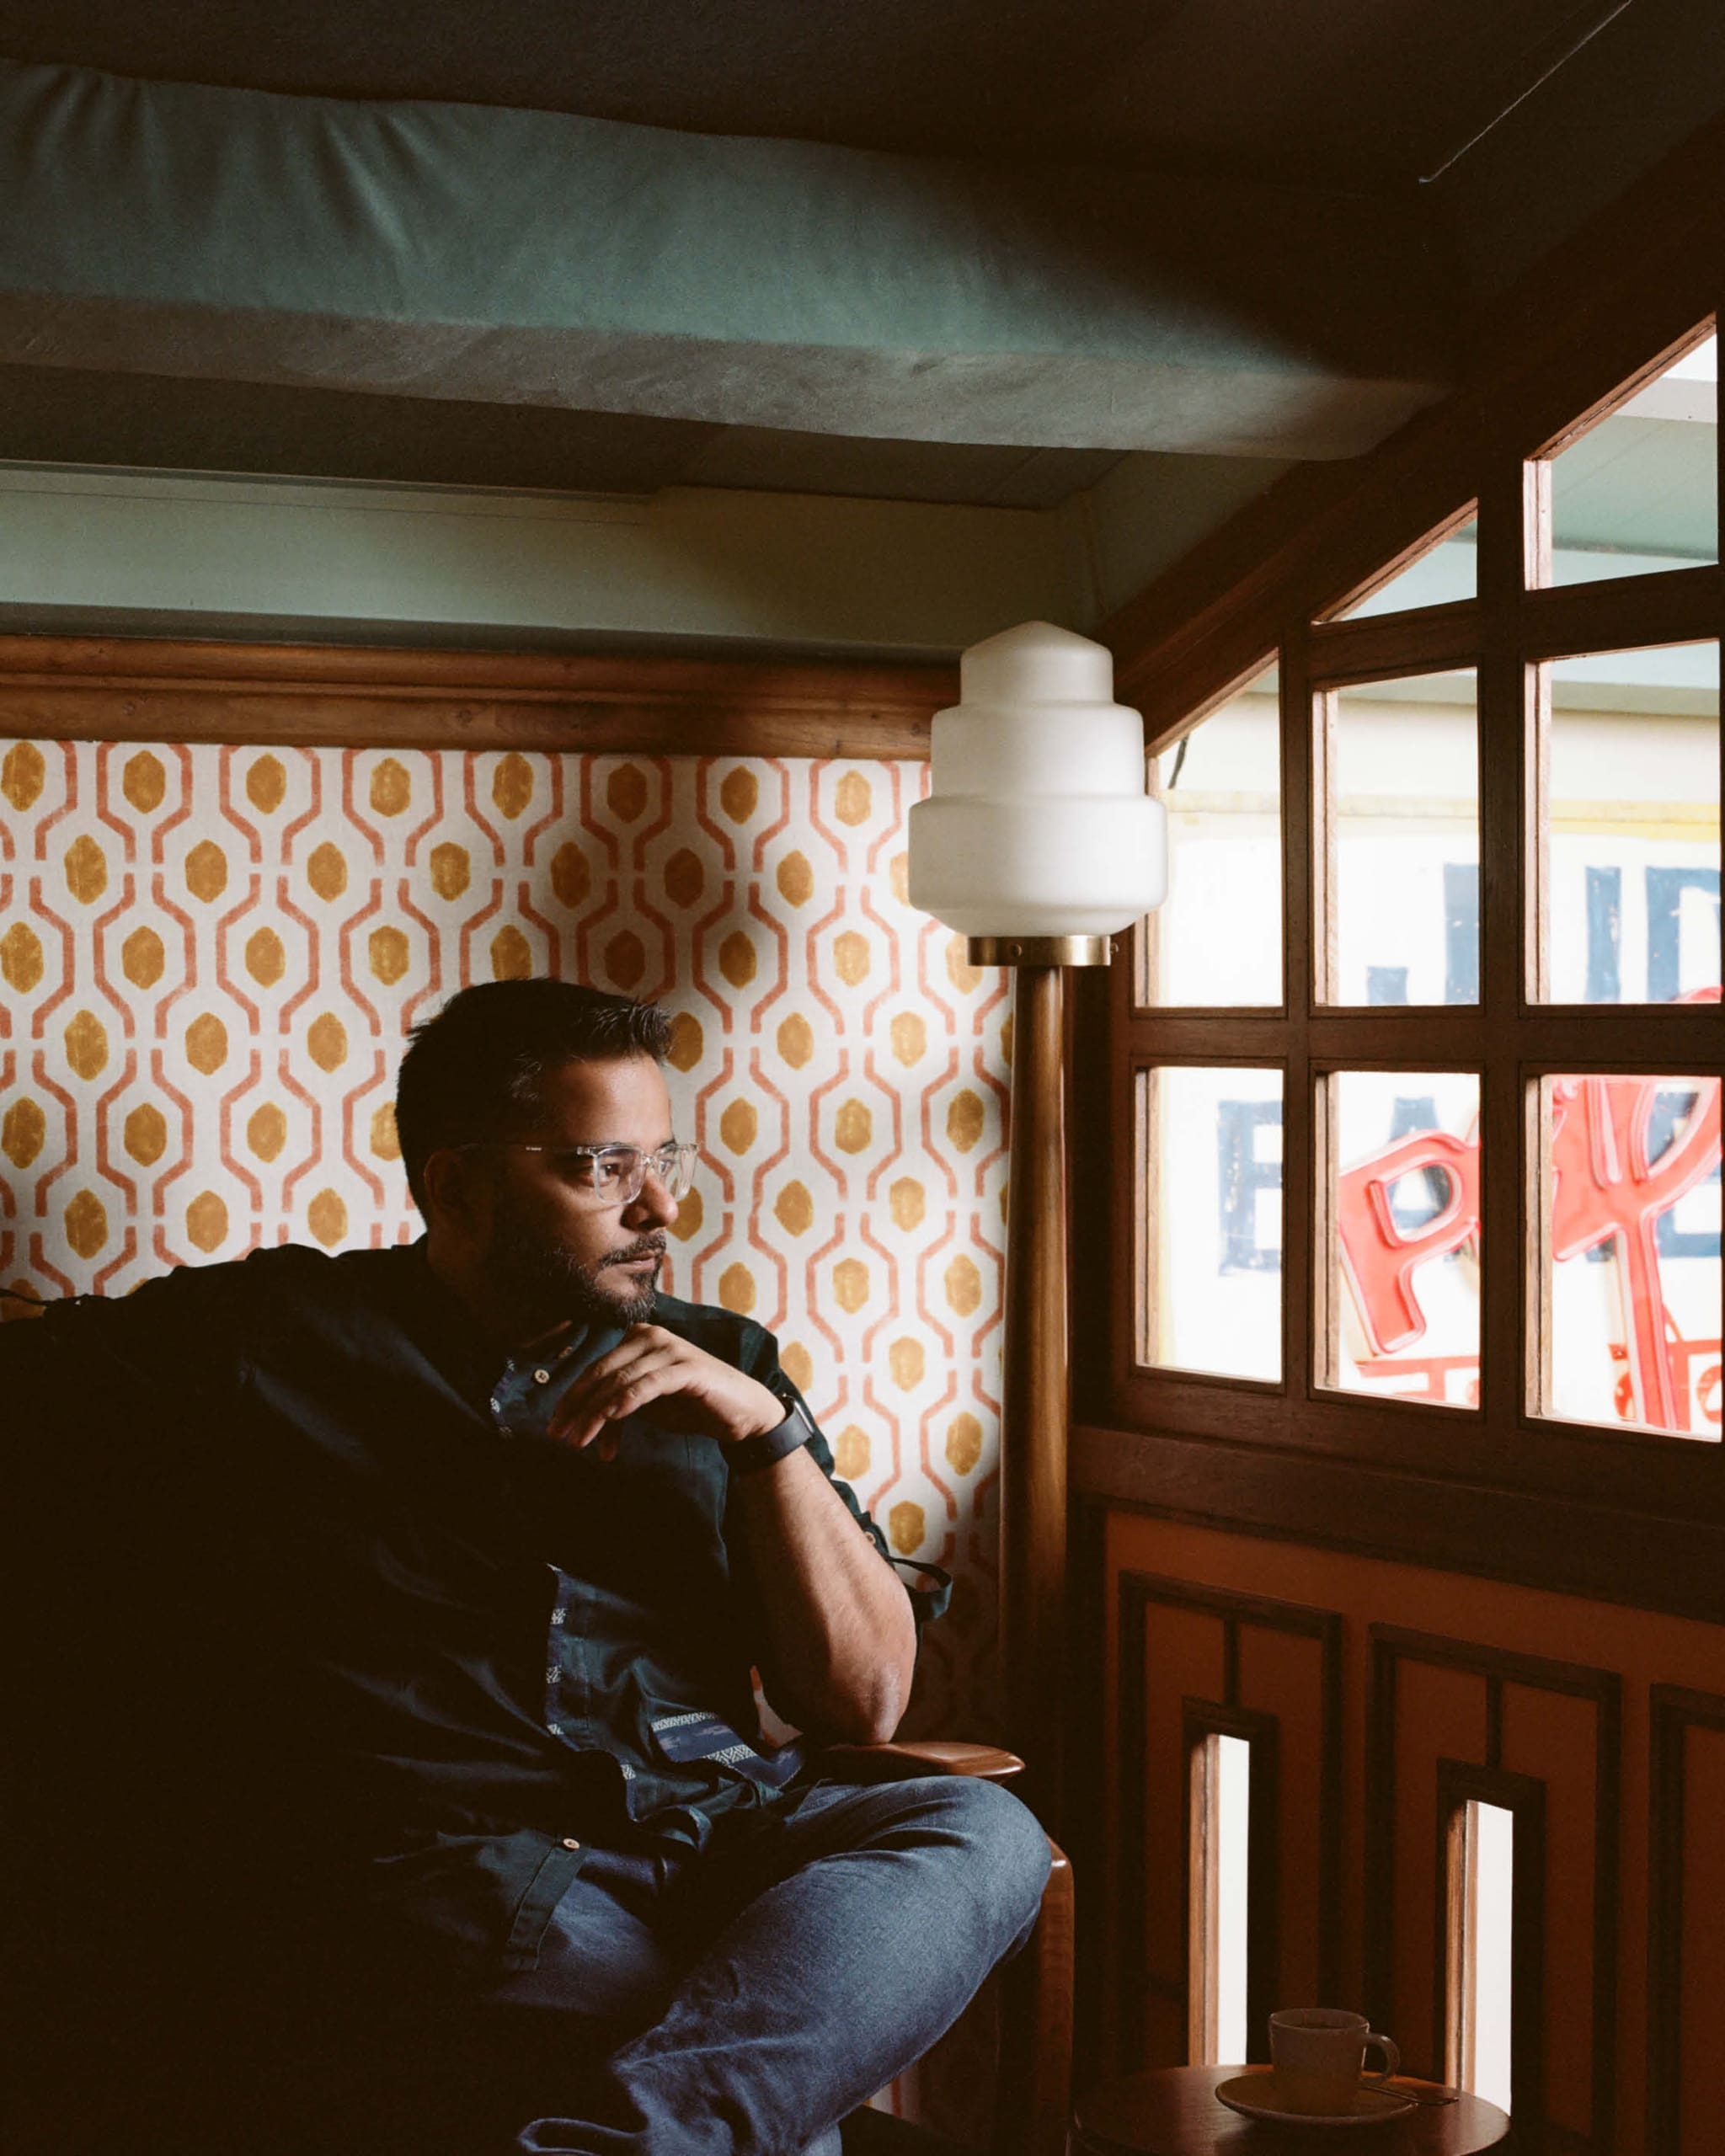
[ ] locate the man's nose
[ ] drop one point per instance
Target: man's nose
(653, 1201)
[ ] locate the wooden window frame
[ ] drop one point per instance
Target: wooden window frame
(1157, 1437)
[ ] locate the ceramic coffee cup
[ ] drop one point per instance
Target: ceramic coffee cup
(1318, 2053)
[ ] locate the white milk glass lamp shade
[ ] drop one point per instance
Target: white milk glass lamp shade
(1037, 823)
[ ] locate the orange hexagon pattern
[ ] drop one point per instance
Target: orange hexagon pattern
(211, 956)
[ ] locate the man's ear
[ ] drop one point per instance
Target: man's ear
(456, 1191)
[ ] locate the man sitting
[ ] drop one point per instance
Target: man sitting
(392, 1622)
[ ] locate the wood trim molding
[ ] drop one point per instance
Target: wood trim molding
(1565, 1545)
(1201, 1718)
(1391, 1646)
(1673, 1712)
(1635, 282)
(1136, 1593)
(87, 688)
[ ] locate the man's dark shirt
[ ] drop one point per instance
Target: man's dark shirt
(321, 1626)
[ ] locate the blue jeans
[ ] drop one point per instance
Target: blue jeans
(740, 2002)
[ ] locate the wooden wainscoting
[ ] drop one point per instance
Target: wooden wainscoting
(1395, 1693)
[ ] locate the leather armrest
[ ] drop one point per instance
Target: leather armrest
(902, 1762)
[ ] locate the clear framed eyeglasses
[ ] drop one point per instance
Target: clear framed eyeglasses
(609, 1175)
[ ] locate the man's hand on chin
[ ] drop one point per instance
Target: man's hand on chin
(650, 1365)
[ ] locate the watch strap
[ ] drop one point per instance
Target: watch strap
(750, 1455)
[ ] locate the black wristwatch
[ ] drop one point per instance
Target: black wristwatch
(766, 1448)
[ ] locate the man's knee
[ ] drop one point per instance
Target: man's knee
(1007, 1851)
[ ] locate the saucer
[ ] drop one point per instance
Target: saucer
(1254, 2096)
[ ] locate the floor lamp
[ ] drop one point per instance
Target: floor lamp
(1039, 844)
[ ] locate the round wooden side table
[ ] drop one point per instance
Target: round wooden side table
(1175, 2113)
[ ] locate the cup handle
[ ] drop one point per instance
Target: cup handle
(1392, 2058)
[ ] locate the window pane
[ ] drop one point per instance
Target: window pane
(1639, 492)
(1406, 1206)
(1404, 782)
(1632, 910)
(1631, 1197)
(1444, 572)
(1218, 937)
(1211, 1263)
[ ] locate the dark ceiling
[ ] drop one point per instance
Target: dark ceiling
(1369, 94)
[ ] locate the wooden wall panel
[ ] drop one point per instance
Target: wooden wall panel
(1543, 1733)
(1497, 1687)
(1700, 2007)
(1281, 1674)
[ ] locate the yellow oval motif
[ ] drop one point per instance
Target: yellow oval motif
(898, 875)
(736, 1289)
(206, 1043)
(141, 958)
(849, 1284)
(850, 1452)
(625, 959)
(87, 1224)
(854, 800)
(685, 879)
(850, 955)
(1006, 1042)
(326, 1216)
(905, 1359)
(964, 977)
(266, 1131)
(392, 789)
(512, 785)
(965, 1119)
(738, 1125)
(386, 1140)
(510, 958)
(143, 781)
(86, 1045)
(266, 962)
(852, 1127)
(690, 1214)
(328, 1042)
(571, 879)
(739, 793)
(795, 880)
(686, 1042)
(24, 1132)
(796, 1041)
(86, 870)
(794, 1209)
(907, 1199)
(736, 960)
(797, 1365)
(389, 954)
(963, 1443)
(963, 1287)
(21, 957)
(147, 1134)
(625, 791)
(266, 785)
(206, 1221)
(206, 870)
(22, 774)
(326, 871)
(910, 1038)
(451, 870)
(906, 1528)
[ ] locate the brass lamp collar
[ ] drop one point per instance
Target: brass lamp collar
(1038, 950)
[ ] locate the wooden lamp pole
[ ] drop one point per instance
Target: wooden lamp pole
(1035, 1399)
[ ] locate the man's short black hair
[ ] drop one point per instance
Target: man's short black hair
(477, 1070)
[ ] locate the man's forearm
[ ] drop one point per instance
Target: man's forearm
(841, 1642)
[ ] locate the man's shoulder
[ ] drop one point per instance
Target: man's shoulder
(732, 1337)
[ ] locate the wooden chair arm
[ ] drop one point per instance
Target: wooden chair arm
(901, 1761)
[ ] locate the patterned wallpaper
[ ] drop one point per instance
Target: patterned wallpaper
(211, 955)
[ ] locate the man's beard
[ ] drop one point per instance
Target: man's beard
(546, 1280)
